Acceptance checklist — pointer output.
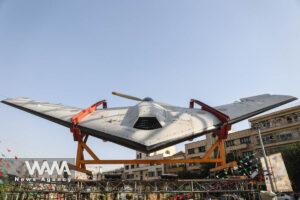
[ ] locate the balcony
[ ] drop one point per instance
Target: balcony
(272, 124)
(237, 147)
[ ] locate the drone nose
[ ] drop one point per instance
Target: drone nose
(147, 99)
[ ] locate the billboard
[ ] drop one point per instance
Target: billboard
(279, 174)
(36, 169)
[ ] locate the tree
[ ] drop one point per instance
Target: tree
(291, 157)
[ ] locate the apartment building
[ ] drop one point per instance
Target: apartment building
(174, 168)
(148, 171)
(277, 128)
(195, 149)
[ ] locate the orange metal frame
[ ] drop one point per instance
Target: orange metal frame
(217, 150)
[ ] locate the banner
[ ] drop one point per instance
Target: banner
(279, 174)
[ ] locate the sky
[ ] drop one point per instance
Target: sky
(77, 52)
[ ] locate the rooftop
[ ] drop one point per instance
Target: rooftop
(274, 114)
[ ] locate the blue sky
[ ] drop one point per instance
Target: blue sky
(77, 52)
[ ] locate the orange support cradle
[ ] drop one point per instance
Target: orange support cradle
(218, 147)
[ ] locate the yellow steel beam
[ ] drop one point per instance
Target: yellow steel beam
(87, 148)
(218, 145)
(74, 167)
(210, 151)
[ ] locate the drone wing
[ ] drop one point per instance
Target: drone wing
(251, 106)
(57, 113)
(102, 123)
(176, 124)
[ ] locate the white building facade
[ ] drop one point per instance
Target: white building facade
(147, 171)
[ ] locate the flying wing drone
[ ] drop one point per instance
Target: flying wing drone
(149, 125)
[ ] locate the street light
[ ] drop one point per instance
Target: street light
(265, 158)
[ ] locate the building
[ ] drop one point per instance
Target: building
(278, 129)
(147, 171)
(118, 171)
(195, 149)
(174, 168)
(96, 173)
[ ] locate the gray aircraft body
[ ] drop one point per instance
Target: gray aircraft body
(149, 125)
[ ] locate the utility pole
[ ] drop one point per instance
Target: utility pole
(266, 161)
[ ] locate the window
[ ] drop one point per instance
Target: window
(167, 152)
(191, 151)
(229, 143)
(268, 138)
(126, 167)
(130, 176)
(151, 174)
(159, 173)
(289, 119)
(201, 149)
(132, 167)
(245, 140)
(171, 166)
(295, 117)
(262, 124)
(287, 136)
(257, 140)
(138, 155)
(254, 125)
(278, 121)
(265, 124)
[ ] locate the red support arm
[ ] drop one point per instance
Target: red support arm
(225, 127)
(78, 117)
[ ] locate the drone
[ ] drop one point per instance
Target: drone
(149, 125)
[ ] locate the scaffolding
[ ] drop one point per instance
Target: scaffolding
(115, 189)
